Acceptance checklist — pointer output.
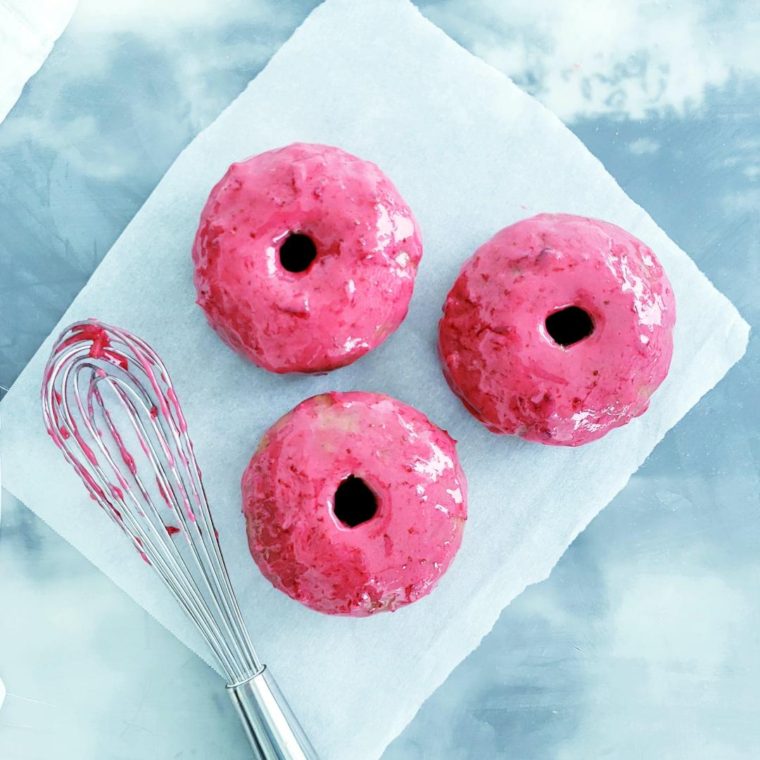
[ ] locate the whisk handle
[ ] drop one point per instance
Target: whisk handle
(271, 727)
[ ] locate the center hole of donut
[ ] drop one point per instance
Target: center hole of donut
(570, 325)
(355, 503)
(297, 252)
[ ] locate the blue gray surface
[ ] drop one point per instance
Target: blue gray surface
(644, 641)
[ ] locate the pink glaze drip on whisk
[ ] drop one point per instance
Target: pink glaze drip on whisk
(162, 492)
(109, 405)
(101, 349)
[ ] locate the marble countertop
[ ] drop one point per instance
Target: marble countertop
(644, 641)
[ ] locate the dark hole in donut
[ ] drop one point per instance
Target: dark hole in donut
(297, 252)
(355, 503)
(570, 325)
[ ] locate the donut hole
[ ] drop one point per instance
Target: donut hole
(297, 252)
(569, 325)
(355, 502)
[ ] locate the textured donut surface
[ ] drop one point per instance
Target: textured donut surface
(388, 540)
(305, 258)
(558, 329)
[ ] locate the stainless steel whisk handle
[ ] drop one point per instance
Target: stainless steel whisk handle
(271, 727)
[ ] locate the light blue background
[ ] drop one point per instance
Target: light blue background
(645, 640)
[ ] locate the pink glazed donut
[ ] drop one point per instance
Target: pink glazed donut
(354, 503)
(305, 258)
(558, 329)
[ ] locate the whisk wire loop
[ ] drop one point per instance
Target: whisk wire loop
(110, 406)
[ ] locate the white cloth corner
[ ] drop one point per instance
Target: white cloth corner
(28, 30)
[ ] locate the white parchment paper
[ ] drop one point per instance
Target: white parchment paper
(471, 153)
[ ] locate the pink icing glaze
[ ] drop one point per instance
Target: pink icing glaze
(289, 501)
(104, 345)
(355, 292)
(497, 352)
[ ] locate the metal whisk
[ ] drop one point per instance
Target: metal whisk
(110, 407)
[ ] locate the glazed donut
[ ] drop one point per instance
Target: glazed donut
(558, 329)
(305, 258)
(354, 504)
